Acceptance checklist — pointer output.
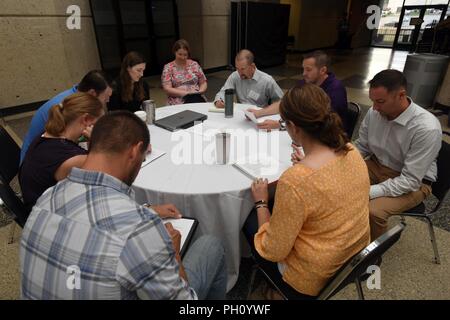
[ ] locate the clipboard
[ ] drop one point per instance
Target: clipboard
(187, 227)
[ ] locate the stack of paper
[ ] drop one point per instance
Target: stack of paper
(217, 110)
(261, 166)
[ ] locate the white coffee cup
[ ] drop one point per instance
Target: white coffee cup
(223, 141)
(142, 115)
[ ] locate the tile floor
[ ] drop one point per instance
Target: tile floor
(355, 68)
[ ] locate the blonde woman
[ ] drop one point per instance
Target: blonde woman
(51, 156)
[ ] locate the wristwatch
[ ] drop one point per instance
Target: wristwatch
(282, 125)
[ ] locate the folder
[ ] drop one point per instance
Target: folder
(187, 227)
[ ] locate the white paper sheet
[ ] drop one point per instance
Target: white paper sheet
(184, 226)
(261, 166)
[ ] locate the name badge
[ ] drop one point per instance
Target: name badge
(253, 95)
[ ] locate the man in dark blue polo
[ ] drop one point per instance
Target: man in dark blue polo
(315, 71)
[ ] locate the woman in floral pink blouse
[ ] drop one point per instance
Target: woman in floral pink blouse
(183, 77)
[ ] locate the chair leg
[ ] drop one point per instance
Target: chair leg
(252, 281)
(11, 233)
(437, 259)
(359, 289)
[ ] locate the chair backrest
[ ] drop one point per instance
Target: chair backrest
(354, 110)
(9, 162)
(357, 266)
(15, 205)
(442, 185)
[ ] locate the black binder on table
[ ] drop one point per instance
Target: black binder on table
(193, 98)
(187, 227)
(181, 120)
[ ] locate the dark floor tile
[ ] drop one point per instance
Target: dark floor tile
(214, 86)
(287, 83)
(241, 289)
(20, 126)
(356, 81)
(441, 219)
(5, 216)
(283, 71)
(337, 59)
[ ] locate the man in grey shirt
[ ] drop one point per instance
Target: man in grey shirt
(400, 141)
(250, 85)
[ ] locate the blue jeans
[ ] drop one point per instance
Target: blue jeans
(205, 268)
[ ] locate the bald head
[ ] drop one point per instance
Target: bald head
(245, 65)
(245, 56)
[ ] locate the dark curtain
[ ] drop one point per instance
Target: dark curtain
(261, 28)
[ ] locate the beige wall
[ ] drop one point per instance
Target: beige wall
(40, 56)
(294, 20)
(205, 24)
(314, 23)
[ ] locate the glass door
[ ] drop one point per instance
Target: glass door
(417, 23)
(410, 22)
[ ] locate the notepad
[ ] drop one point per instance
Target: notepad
(186, 227)
(261, 166)
(155, 154)
(216, 110)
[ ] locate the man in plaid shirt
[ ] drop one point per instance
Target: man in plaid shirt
(86, 237)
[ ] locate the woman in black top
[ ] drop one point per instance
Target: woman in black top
(51, 156)
(129, 89)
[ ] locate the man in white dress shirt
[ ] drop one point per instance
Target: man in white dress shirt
(250, 85)
(400, 142)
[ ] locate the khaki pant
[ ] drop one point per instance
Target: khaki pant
(382, 208)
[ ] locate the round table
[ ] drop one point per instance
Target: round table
(218, 196)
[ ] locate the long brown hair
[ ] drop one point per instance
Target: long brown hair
(309, 108)
(74, 106)
(128, 87)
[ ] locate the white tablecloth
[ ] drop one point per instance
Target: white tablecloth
(218, 196)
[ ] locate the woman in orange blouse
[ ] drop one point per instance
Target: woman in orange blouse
(320, 217)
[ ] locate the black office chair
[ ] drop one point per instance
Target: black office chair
(9, 163)
(9, 167)
(354, 271)
(440, 189)
(13, 204)
(354, 110)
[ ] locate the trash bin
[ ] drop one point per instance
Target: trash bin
(424, 73)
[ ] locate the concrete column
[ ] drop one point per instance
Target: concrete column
(205, 25)
(40, 55)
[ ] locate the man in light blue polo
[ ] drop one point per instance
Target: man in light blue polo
(95, 82)
(250, 85)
